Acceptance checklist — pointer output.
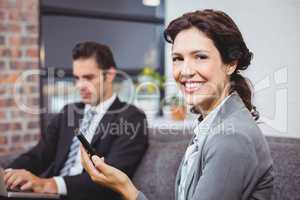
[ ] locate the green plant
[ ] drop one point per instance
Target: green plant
(153, 77)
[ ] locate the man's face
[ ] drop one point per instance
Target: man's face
(90, 81)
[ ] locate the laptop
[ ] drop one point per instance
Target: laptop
(20, 194)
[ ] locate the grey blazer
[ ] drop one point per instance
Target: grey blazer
(233, 161)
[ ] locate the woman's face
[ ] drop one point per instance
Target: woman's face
(198, 69)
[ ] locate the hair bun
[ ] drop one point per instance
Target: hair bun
(245, 60)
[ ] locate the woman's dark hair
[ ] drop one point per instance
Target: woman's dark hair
(227, 38)
(100, 52)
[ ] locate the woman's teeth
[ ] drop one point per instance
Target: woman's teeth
(193, 86)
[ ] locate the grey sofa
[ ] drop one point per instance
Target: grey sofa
(155, 175)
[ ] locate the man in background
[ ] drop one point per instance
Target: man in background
(117, 131)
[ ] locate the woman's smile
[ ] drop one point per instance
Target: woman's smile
(191, 86)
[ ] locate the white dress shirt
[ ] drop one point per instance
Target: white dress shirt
(77, 168)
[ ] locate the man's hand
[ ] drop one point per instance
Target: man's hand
(25, 180)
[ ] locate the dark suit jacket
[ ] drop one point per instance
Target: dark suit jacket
(121, 138)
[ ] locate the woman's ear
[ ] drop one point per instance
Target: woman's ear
(230, 68)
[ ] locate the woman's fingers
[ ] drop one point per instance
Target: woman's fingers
(88, 164)
(96, 175)
(100, 165)
(85, 159)
(104, 174)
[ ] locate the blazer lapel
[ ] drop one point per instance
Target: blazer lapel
(107, 119)
(197, 164)
(68, 133)
(233, 104)
(178, 174)
(177, 180)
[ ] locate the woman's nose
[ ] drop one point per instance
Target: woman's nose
(188, 68)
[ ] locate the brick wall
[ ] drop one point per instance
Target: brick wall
(19, 127)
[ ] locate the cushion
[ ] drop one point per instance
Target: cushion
(156, 174)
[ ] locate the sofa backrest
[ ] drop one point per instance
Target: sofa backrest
(156, 174)
(286, 156)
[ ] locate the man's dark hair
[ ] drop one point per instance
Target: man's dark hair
(100, 52)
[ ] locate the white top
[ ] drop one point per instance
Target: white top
(77, 168)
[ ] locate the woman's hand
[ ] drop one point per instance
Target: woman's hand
(108, 176)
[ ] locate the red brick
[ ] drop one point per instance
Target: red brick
(15, 40)
(24, 115)
(21, 65)
(3, 150)
(2, 15)
(36, 137)
(2, 115)
(28, 12)
(3, 140)
(2, 65)
(9, 78)
(32, 65)
(33, 125)
(31, 17)
(3, 90)
(28, 137)
(2, 40)
(16, 52)
(32, 29)
(31, 5)
(29, 41)
(15, 126)
(4, 126)
(14, 15)
(8, 4)
(16, 148)
(14, 28)
(17, 65)
(33, 78)
(4, 52)
(16, 138)
(32, 52)
(10, 52)
(7, 103)
(34, 103)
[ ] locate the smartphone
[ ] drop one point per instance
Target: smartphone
(90, 150)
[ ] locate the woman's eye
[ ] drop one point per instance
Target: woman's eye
(202, 57)
(175, 59)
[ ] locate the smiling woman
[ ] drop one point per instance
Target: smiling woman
(216, 48)
(228, 157)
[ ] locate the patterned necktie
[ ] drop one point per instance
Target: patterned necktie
(74, 149)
